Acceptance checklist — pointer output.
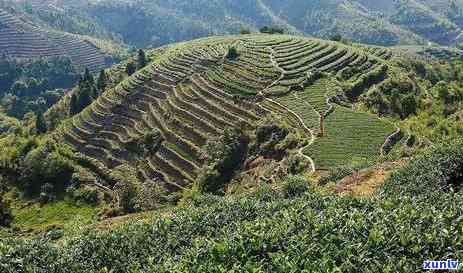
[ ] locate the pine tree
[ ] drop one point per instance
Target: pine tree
(5, 212)
(141, 60)
(88, 77)
(73, 105)
(85, 96)
(102, 81)
(40, 124)
(130, 68)
(232, 53)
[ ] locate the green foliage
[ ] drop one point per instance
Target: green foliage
(102, 81)
(437, 170)
(366, 80)
(6, 216)
(126, 188)
(266, 232)
(141, 59)
(223, 156)
(336, 37)
(245, 31)
(272, 30)
(130, 68)
(232, 53)
(337, 173)
(84, 95)
(294, 186)
(34, 85)
(84, 194)
(46, 164)
(40, 124)
(147, 144)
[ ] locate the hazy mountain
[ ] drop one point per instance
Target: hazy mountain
(144, 23)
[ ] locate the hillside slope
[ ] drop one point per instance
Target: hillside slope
(192, 92)
(381, 22)
(21, 38)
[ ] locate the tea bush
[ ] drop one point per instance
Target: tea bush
(415, 217)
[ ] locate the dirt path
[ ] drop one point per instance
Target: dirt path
(305, 128)
(300, 120)
(367, 181)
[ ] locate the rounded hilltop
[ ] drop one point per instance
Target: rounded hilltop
(193, 91)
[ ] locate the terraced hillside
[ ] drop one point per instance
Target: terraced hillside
(22, 39)
(157, 120)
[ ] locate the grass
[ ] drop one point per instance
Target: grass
(349, 136)
(317, 93)
(31, 217)
(298, 104)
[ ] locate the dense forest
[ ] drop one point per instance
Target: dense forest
(34, 85)
(161, 22)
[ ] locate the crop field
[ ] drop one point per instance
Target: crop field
(349, 136)
(273, 231)
(20, 38)
(192, 92)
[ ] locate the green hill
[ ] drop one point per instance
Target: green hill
(25, 38)
(192, 92)
(160, 22)
(108, 24)
(224, 114)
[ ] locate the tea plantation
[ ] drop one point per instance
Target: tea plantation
(294, 227)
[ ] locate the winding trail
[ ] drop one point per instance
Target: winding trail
(275, 64)
(292, 113)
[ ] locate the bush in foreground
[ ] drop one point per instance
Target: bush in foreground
(410, 221)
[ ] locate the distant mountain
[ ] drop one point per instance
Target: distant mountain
(23, 35)
(152, 23)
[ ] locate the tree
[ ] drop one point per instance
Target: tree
(336, 37)
(73, 107)
(272, 30)
(40, 124)
(130, 68)
(232, 53)
(223, 156)
(409, 105)
(88, 77)
(102, 81)
(245, 31)
(5, 213)
(141, 60)
(85, 96)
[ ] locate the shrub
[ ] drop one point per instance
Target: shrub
(126, 188)
(366, 80)
(244, 31)
(84, 194)
(47, 193)
(436, 170)
(336, 37)
(150, 196)
(223, 155)
(130, 68)
(46, 164)
(266, 193)
(142, 61)
(294, 186)
(272, 30)
(232, 53)
(337, 173)
(6, 217)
